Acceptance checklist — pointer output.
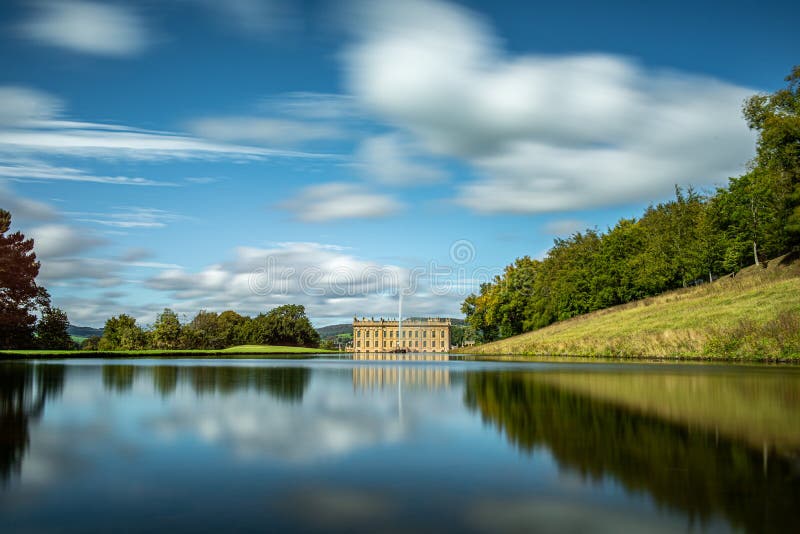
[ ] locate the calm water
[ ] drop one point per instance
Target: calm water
(339, 445)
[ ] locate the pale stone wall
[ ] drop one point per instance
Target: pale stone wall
(381, 335)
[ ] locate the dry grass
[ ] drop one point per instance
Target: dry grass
(754, 315)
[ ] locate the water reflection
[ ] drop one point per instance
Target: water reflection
(373, 377)
(680, 466)
(282, 383)
(24, 391)
(400, 357)
(356, 445)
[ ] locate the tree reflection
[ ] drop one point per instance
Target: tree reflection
(24, 391)
(683, 468)
(282, 383)
(118, 378)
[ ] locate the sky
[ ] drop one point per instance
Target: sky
(196, 154)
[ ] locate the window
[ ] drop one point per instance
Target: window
(367, 343)
(416, 333)
(424, 343)
(416, 343)
(443, 343)
(424, 333)
(358, 343)
(384, 344)
(433, 333)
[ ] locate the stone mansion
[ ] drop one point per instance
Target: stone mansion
(383, 335)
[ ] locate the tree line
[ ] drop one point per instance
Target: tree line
(693, 238)
(285, 325)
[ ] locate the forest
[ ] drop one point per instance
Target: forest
(694, 238)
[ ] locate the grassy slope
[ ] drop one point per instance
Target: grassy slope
(241, 350)
(755, 315)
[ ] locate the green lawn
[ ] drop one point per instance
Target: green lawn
(241, 350)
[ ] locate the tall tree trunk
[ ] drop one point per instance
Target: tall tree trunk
(755, 253)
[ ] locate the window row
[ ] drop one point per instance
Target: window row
(395, 333)
(401, 344)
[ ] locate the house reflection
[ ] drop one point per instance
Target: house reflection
(379, 377)
(401, 357)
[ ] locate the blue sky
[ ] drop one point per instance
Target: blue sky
(242, 154)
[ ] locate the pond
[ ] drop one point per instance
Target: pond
(421, 444)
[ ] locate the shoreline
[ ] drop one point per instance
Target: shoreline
(265, 352)
(307, 354)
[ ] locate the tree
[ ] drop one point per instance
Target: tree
(122, 333)
(203, 332)
(776, 117)
(51, 331)
(284, 325)
(166, 331)
(19, 293)
(230, 325)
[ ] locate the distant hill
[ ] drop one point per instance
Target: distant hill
(331, 331)
(84, 331)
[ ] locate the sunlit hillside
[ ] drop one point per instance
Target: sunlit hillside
(754, 315)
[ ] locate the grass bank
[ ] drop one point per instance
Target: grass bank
(752, 316)
(270, 351)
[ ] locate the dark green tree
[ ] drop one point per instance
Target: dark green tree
(51, 331)
(230, 327)
(20, 296)
(284, 325)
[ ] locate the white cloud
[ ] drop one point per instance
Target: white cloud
(332, 282)
(87, 27)
(53, 241)
(30, 125)
(54, 139)
(130, 217)
(25, 208)
(389, 160)
(27, 170)
(22, 104)
(328, 280)
(338, 200)
(543, 133)
(258, 130)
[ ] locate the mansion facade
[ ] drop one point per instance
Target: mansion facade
(383, 335)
